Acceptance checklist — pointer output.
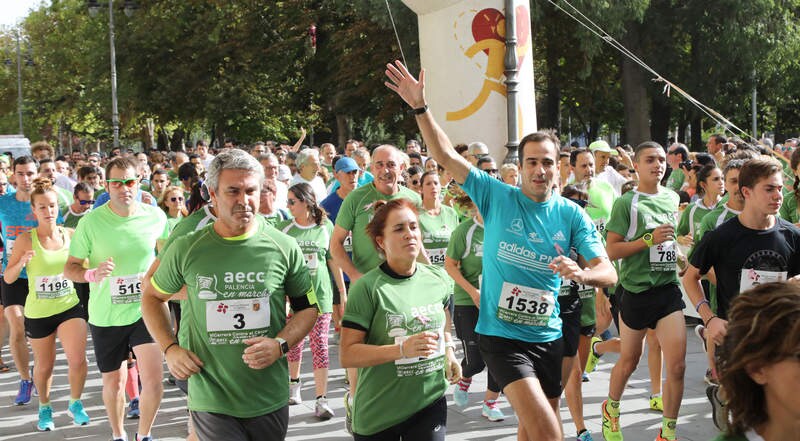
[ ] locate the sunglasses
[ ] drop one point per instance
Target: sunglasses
(491, 170)
(118, 183)
(415, 182)
(479, 155)
(83, 202)
(177, 199)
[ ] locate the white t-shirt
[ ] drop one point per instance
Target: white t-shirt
(281, 194)
(316, 184)
(207, 162)
(614, 178)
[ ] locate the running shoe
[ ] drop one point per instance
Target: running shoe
(24, 394)
(656, 403)
(348, 413)
(709, 378)
(322, 410)
(144, 438)
(661, 438)
(461, 393)
(294, 393)
(594, 357)
(492, 412)
(718, 413)
(584, 436)
(78, 413)
(45, 419)
(700, 332)
(133, 409)
(611, 429)
(584, 377)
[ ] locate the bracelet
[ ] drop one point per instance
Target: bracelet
(419, 110)
(174, 343)
(709, 320)
(90, 275)
(402, 355)
(699, 304)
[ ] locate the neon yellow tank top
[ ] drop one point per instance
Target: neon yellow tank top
(49, 292)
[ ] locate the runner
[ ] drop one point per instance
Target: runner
(751, 248)
(114, 304)
(518, 326)
(52, 307)
(437, 221)
(464, 264)
(16, 218)
(232, 399)
(710, 185)
(312, 230)
(268, 209)
(396, 331)
(173, 202)
(641, 232)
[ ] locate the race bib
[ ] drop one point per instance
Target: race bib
(522, 305)
(9, 246)
(52, 287)
(436, 256)
(312, 262)
(600, 224)
(752, 277)
(412, 366)
(348, 243)
(126, 289)
(229, 322)
(585, 292)
(663, 256)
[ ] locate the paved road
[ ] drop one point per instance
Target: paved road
(640, 424)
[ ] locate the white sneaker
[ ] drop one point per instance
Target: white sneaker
(322, 410)
(294, 393)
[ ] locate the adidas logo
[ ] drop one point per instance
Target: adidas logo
(559, 236)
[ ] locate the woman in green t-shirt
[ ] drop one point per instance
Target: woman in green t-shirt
(710, 186)
(312, 230)
(396, 331)
(173, 202)
(52, 307)
(759, 365)
(436, 220)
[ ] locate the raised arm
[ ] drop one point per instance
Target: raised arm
(413, 93)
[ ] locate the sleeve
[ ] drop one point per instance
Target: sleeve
(80, 245)
(703, 256)
(619, 220)
(359, 309)
(102, 199)
(479, 187)
(168, 278)
(347, 212)
(585, 238)
(329, 231)
(788, 209)
(683, 223)
(458, 243)
(297, 283)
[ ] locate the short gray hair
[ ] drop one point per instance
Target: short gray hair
(304, 156)
(476, 146)
(232, 159)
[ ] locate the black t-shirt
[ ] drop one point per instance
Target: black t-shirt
(743, 258)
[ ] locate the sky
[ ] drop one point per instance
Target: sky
(13, 11)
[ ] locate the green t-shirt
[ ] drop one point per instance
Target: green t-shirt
(466, 246)
(713, 219)
(635, 214)
(314, 241)
(131, 243)
(436, 231)
(71, 218)
(675, 179)
(172, 222)
(355, 214)
(193, 222)
(49, 292)
(229, 300)
(788, 209)
(64, 198)
(173, 178)
(389, 310)
(692, 217)
(601, 200)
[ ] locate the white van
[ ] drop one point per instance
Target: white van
(15, 145)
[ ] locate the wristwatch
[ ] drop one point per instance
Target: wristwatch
(284, 346)
(648, 239)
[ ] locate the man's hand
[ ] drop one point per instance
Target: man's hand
(261, 352)
(663, 233)
(716, 330)
(147, 198)
(475, 294)
(405, 85)
(183, 363)
(567, 268)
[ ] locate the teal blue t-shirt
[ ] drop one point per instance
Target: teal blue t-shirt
(521, 238)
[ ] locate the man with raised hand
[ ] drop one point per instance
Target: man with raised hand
(530, 227)
(234, 334)
(119, 241)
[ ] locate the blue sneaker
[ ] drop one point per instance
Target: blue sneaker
(45, 419)
(78, 413)
(492, 411)
(461, 393)
(584, 436)
(133, 409)
(146, 438)
(24, 394)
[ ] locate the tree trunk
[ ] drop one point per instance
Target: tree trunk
(634, 92)
(659, 120)
(697, 135)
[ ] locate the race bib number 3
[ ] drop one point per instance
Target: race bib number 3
(436, 256)
(522, 305)
(663, 256)
(752, 278)
(52, 287)
(126, 289)
(229, 322)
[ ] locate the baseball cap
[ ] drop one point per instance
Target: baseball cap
(602, 146)
(346, 165)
